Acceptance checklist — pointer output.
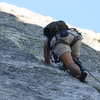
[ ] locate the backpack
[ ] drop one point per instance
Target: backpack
(58, 27)
(53, 28)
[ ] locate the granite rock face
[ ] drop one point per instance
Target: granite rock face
(23, 73)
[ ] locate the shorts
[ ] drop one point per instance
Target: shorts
(61, 48)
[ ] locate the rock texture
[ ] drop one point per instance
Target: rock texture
(23, 73)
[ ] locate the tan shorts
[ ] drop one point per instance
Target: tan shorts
(62, 48)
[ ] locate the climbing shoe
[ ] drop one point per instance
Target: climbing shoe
(83, 77)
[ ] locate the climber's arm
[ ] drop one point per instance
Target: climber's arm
(46, 52)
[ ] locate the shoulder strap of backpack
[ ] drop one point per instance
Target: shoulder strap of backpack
(74, 41)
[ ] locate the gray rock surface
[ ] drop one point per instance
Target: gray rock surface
(23, 73)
